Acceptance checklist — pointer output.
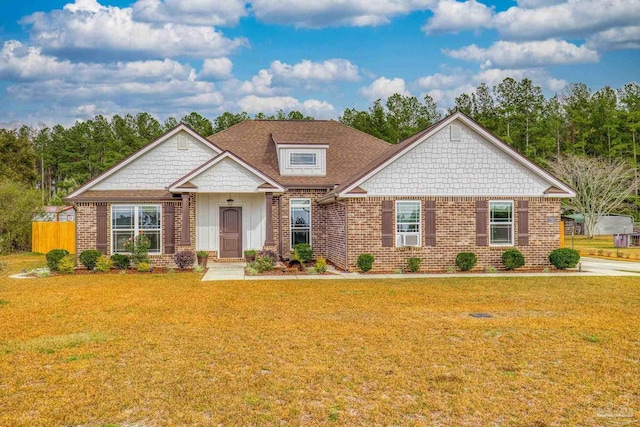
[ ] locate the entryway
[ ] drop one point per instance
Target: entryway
(230, 232)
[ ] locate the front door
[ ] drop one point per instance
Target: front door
(230, 233)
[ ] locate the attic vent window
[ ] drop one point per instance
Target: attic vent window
(303, 159)
(456, 133)
(182, 142)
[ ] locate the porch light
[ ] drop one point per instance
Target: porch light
(229, 201)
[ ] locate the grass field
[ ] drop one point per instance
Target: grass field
(602, 246)
(155, 350)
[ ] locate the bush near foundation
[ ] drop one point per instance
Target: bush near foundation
(184, 259)
(512, 259)
(564, 258)
(465, 261)
(365, 262)
(54, 256)
(89, 258)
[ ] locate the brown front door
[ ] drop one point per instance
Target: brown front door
(230, 233)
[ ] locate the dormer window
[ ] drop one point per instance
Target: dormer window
(303, 159)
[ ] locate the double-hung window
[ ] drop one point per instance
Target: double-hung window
(408, 223)
(300, 221)
(127, 221)
(501, 222)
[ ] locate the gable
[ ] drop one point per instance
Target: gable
(466, 164)
(161, 165)
(226, 175)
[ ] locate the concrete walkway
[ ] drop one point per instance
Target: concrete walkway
(590, 267)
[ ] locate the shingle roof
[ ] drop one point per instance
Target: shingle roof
(349, 150)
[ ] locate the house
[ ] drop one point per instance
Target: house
(271, 184)
(605, 226)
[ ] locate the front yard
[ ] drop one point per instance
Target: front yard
(154, 350)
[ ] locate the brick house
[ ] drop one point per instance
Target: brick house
(451, 188)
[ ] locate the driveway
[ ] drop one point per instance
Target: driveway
(610, 267)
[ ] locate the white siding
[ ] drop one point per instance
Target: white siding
(160, 167)
(319, 170)
(253, 219)
(469, 167)
(227, 176)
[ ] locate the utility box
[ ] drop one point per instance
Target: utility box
(620, 240)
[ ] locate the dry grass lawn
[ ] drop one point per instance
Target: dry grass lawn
(118, 350)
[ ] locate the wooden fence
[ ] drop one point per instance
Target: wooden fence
(53, 235)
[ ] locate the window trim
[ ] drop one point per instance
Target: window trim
(312, 153)
(512, 223)
(292, 205)
(136, 226)
(419, 222)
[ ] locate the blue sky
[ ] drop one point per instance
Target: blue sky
(62, 61)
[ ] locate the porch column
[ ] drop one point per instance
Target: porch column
(185, 237)
(269, 218)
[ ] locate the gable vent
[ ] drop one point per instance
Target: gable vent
(182, 142)
(456, 133)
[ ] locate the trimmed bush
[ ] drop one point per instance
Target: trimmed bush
(365, 262)
(303, 252)
(103, 264)
(512, 259)
(466, 261)
(89, 257)
(66, 264)
(54, 256)
(264, 263)
(413, 264)
(564, 258)
(321, 265)
(120, 261)
(184, 259)
(144, 267)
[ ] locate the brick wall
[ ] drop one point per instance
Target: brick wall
(455, 232)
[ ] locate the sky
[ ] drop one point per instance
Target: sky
(63, 61)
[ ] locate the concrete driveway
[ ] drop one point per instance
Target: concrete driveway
(609, 267)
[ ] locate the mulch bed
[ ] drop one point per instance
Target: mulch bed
(84, 271)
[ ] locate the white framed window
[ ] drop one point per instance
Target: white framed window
(408, 223)
(303, 159)
(501, 223)
(300, 214)
(130, 220)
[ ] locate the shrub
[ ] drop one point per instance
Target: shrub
(263, 263)
(89, 257)
(413, 264)
(138, 247)
(144, 267)
(120, 261)
(564, 258)
(321, 265)
(103, 264)
(303, 252)
(365, 262)
(66, 264)
(466, 261)
(54, 256)
(512, 259)
(184, 259)
(251, 270)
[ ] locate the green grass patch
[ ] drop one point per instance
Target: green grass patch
(52, 343)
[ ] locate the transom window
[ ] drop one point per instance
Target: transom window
(300, 221)
(303, 159)
(408, 223)
(501, 222)
(128, 221)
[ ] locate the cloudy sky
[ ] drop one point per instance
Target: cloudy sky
(63, 61)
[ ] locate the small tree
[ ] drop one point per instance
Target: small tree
(601, 185)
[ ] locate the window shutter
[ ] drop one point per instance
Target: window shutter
(523, 223)
(430, 223)
(481, 223)
(387, 223)
(101, 228)
(169, 228)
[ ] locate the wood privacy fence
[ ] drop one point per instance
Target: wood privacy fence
(53, 235)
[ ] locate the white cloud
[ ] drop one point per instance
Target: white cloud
(615, 39)
(450, 16)
(440, 80)
(19, 62)
(573, 18)
(256, 104)
(329, 70)
(216, 68)
(87, 29)
(193, 12)
(533, 4)
(334, 13)
(538, 76)
(505, 54)
(383, 88)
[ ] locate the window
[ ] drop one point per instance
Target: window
(501, 222)
(300, 221)
(130, 220)
(408, 223)
(302, 159)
